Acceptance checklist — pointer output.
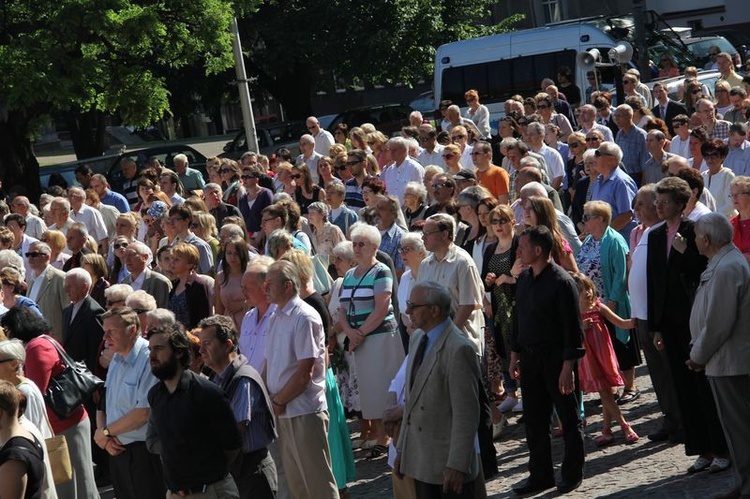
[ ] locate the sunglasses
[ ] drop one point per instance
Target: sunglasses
(593, 139)
(34, 254)
(500, 221)
(341, 168)
(352, 163)
(439, 186)
(542, 107)
(677, 125)
(224, 170)
(295, 177)
(588, 216)
(458, 137)
(711, 155)
(574, 144)
(119, 246)
(599, 153)
(247, 177)
(448, 156)
(696, 91)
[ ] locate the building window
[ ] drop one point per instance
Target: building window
(552, 11)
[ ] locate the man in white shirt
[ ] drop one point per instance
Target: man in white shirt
(254, 328)
(402, 171)
(681, 138)
(90, 217)
(432, 152)
(294, 372)
(552, 159)
(310, 156)
(21, 241)
(34, 225)
(169, 182)
(323, 138)
(137, 258)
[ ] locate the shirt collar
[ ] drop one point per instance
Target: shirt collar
(139, 345)
(291, 304)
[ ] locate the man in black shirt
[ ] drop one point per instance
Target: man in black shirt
(191, 425)
(546, 340)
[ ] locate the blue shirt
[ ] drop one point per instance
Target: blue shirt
(618, 190)
(634, 150)
(389, 243)
(129, 380)
(117, 200)
(738, 159)
(433, 334)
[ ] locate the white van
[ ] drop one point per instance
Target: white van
(500, 66)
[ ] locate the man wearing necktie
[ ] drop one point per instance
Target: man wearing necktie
(437, 446)
(666, 108)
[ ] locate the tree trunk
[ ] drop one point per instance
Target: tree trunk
(19, 169)
(87, 132)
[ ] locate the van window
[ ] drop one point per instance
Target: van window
(497, 81)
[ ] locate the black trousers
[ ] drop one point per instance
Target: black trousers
(432, 491)
(540, 373)
(137, 474)
(255, 475)
(487, 449)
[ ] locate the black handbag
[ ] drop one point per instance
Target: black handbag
(72, 387)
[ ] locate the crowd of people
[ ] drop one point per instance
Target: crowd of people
(425, 284)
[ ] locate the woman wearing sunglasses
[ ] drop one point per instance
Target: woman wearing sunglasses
(306, 192)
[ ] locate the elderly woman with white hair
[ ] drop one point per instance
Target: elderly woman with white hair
(325, 235)
(415, 202)
(367, 319)
(117, 294)
(720, 344)
(412, 252)
(142, 304)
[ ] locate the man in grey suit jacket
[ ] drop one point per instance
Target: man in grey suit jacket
(48, 288)
(437, 446)
(137, 259)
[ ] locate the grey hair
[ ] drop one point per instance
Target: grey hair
(307, 139)
(446, 222)
(415, 114)
(365, 231)
(282, 196)
(9, 258)
(508, 142)
(41, 247)
(212, 187)
(180, 158)
(399, 142)
(536, 126)
(612, 149)
(345, 250)
(716, 228)
(288, 271)
(63, 201)
(80, 227)
(416, 189)
(648, 190)
(259, 267)
(142, 249)
(320, 207)
(533, 189)
(118, 292)
(232, 230)
(77, 190)
(141, 299)
(82, 275)
(14, 349)
(414, 239)
(278, 239)
(530, 161)
(161, 317)
(436, 295)
(471, 196)
(589, 154)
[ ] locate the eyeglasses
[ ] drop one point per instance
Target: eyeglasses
(677, 125)
(424, 234)
(439, 186)
(545, 106)
(262, 220)
(593, 139)
(295, 177)
(34, 254)
(342, 167)
(500, 221)
(224, 170)
(359, 244)
(599, 153)
(458, 137)
(661, 202)
(696, 91)
(141, 310)
(247, 177)
(352, 163)
(588, 216)
(116, 246)
(712, 155)
(574, 144)
(405, 249)
(477, 153)
(412, 306)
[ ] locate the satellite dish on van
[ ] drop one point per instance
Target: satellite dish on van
(587, 60)
(622, 52)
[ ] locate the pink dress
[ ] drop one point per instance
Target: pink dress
(598, 369)
(232, 297)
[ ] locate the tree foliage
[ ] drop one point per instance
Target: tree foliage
(294, 45)
(100, 56)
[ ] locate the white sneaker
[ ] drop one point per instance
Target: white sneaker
(719, 464)
(518, 407)
(507, 404)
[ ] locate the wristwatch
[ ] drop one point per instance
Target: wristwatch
(106, 432)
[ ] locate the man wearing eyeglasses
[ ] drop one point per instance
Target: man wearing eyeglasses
(615, 187)
(681, 137)
(323, 140)
(137, 259)
(355, 162)
(310, 155)
(47, 286)
(432, 152)
(717, 129)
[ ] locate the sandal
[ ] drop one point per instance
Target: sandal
(377, 451)
(631, 437)
(700, 464)
(606, 438)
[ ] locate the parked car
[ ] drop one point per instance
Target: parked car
(63, 174)
(388, 118)
(270, 138)
(425, 103)
(707, 78)
(699, 47)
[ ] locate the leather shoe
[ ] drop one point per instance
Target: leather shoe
(659, 435)
(531, 488)
(566, 486)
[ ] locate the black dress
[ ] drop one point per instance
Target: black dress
(305, 203)
(31, 455)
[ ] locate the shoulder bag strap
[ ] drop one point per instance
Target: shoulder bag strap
(64, 357)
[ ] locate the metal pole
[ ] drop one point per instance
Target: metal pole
(247, 109)
(639, 22)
